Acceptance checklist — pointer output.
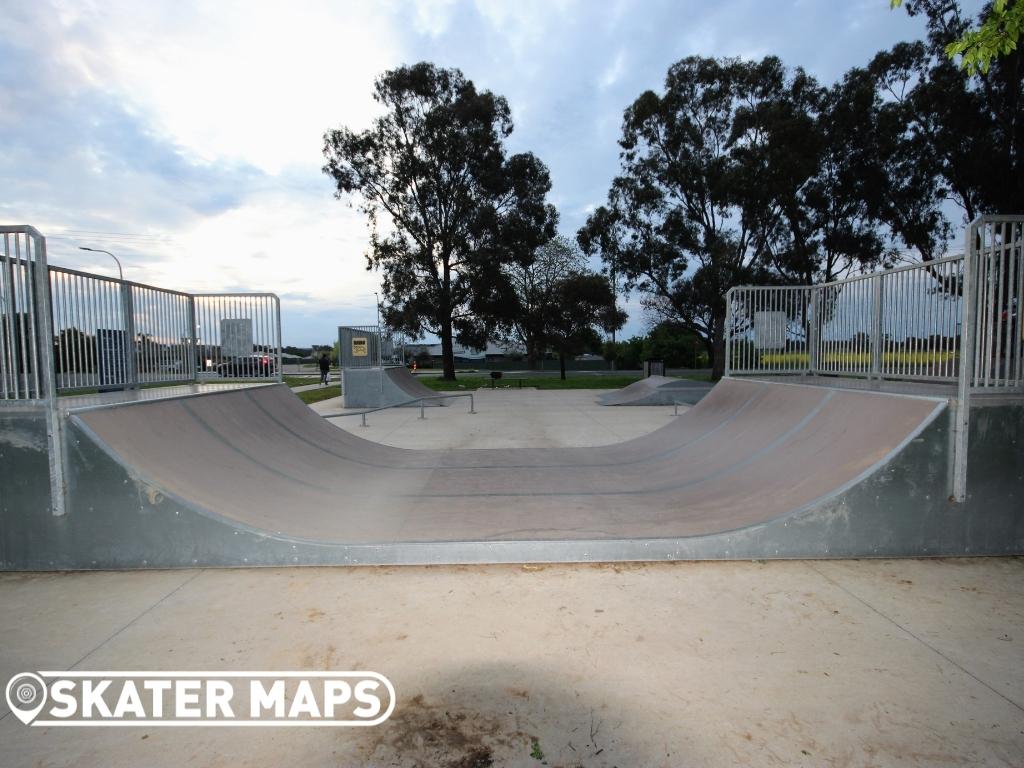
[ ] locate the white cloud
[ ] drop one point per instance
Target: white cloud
(613, 73)
(199, 124)
(237, 80)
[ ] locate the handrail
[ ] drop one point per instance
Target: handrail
(472, 407)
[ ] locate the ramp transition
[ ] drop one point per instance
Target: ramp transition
(754, 470)
(385, 387)
(657, 390)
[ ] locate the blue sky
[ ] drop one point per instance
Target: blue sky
(186, 137)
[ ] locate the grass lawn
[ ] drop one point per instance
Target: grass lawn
(316, 395)
(540, 382)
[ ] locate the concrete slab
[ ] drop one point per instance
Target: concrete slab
(506, 418)
(673, 664)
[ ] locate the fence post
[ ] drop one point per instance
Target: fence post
(44, 346)
(966, 373)
(131, 368)
(277, 317)
(728, 332)
(193, 340)
(815, 330)
(877, 298)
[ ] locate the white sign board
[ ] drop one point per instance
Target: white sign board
(360, 346)
(770, 330)
(236, 337)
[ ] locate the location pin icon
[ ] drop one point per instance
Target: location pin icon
(26, 695)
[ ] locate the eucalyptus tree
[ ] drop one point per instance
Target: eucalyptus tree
(447, 206)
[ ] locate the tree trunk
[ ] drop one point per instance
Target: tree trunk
(561, 364)
(531, 354)
(447, 351)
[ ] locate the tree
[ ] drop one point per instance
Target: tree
(672, 344)
(582, 303)
(728, 177)
(446, 206)
(969, 120)
(995, 36)
(534, 285)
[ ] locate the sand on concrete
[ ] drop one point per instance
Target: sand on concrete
(859, 663)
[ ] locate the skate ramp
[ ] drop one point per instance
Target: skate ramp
(408, 384)
(385, 388)
(754, 470)
(261, 458)
(658, 390)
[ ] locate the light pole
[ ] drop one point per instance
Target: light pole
(130, 363)
(375, 296)
(120, 271)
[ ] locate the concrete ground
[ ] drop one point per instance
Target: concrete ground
(506, 418)
(858, 663)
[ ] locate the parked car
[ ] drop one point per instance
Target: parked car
(256, 366)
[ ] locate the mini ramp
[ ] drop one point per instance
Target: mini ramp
(385, 387)
(755, 470)
(658, 390)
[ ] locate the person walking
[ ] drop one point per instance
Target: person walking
(325, 369)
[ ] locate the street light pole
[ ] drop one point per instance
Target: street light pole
(127, 310)
(120, 270)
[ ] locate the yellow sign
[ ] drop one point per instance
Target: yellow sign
(360, 347)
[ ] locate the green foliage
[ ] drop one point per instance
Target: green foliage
(534, 283)
(535, 751)
(962, 130)
(673, 344)
(580, 303)
(627, 355)
(447, 206)
(996, 36)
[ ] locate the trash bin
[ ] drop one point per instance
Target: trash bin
(495, 375)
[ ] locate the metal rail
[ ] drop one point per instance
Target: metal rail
(87, 331)
(933, 321)
(472, 408)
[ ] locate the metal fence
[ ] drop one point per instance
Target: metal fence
(923, 322)
(997, 248)
(26, 370)
(361, 346)
(237, 334)
(110, 333)
(62, 330)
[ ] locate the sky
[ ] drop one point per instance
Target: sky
(186, 137)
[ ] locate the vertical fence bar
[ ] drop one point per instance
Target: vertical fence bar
(961, 424)
(814, 341)
(876, 328)
(729, 297)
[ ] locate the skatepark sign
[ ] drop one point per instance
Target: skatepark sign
(360, 346)
(152, 699)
